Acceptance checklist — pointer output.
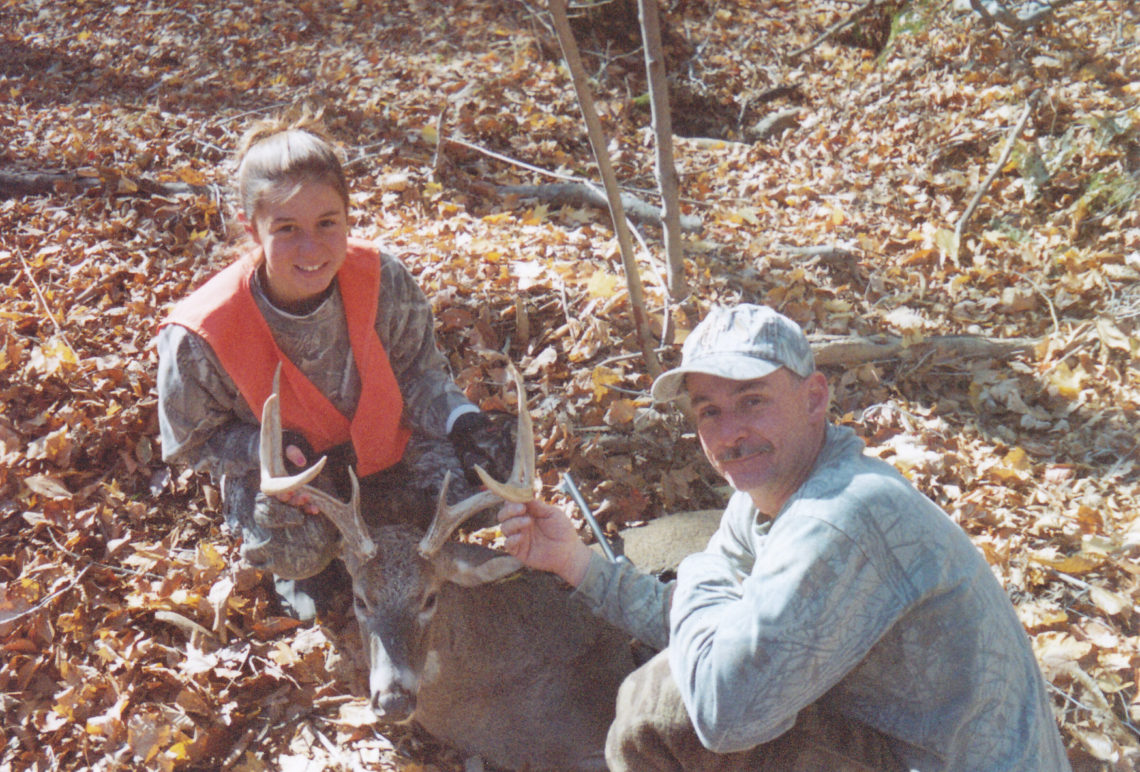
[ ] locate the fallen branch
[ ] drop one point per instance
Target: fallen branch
(13, 184)
(848, 350)
(584, 194)
(823, 251)
(960, 227)
(999, 13)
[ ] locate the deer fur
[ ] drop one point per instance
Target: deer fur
(515, 671)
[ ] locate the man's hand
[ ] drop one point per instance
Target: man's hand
(542, 537)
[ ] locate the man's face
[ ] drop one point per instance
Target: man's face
(762, 435)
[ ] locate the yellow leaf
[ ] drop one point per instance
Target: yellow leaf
(1067, 381)
(602, 285)
(191, 176)
(1016, 459)
(179, 751)
(209, 557)
(429, 134)
(601, 378)
(283, 655)
(59, 349)
(536, 216)
(1073, 564)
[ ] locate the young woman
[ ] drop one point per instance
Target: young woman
(362, 381)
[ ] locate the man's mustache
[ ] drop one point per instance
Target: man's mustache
(741, 450)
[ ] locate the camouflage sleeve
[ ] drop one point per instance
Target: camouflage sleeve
(406, 327)
(203, 420)
(625, 596)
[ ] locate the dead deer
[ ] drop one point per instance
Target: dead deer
(496, 660)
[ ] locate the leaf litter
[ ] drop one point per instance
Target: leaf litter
(131, 637)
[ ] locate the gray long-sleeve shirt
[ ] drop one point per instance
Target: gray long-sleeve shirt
(860, 595)
(206, 423)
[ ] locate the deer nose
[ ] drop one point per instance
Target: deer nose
(395, 705)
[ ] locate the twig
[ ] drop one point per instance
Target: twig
(514, 161)
(960, 227)
(581, 193)
(183, 623)
(654, 264)
(44, 303)
(567, 177)
(44, 601)
(1046, 298)
(834, 28)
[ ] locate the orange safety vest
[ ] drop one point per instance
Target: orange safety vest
(223, 312)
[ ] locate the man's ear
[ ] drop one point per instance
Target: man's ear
(818, 393)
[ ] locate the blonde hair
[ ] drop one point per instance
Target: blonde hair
(281, 155)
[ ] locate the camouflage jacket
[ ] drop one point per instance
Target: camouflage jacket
(206, 423)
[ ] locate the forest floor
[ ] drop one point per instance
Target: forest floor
(130, 637)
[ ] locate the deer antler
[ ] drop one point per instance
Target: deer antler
(519, 485)
(274, 481)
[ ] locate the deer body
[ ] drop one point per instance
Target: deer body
(515, 671)
(500, 662)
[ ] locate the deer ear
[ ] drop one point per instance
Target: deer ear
(471, 566)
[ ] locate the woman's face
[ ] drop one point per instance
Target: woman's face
(305, 240)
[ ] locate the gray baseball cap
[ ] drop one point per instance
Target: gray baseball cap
(742, 343)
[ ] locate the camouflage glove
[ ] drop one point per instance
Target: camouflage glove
(277, 537)
(486, 439)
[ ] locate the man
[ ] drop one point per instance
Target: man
(837, 620)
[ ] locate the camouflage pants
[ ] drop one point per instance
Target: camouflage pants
(290, 544)
(652, 732)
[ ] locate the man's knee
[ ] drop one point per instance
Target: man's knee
(650, 720)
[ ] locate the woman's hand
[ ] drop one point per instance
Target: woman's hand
(542, 537)
(299, 498)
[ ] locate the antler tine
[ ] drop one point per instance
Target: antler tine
(344, 515)
(273, 477)
(519, 485)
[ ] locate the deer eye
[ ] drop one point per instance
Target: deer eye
(358, 604)
(429, 602)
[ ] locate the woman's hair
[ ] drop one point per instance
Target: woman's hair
(281, 155)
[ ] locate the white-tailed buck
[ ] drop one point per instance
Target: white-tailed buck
(500, 662)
